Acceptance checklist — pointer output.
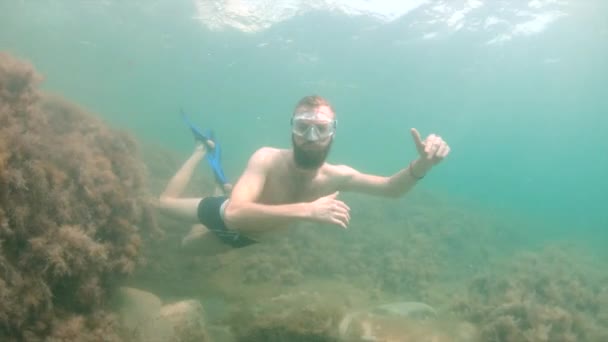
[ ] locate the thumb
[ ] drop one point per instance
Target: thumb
(417, 138)
(334, 195)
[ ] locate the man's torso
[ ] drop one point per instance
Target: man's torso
(284, 184)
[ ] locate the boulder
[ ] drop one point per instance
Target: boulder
(144, 318)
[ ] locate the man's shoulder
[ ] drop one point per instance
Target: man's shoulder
(267, 151)
(266, 155)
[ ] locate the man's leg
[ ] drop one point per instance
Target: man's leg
(196, 232)
(199, 230)
(170, 201)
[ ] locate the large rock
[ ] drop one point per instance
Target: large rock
(186, 320)
(403, 322)
(146, 319)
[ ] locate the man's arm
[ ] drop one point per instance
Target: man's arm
(393, 186)
(246, 214)
(432, 151)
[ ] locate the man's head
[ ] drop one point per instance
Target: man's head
(313, 126)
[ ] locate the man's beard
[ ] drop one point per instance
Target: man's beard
(309, 159)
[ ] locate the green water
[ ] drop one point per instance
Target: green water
(522, 102)
(526, 119)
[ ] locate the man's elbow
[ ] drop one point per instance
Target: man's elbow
(231, 211)
(393, 192)
(233, 215)
(164, 201)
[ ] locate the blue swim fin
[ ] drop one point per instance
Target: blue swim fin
(214, 158)
(198, 135)
(213, 155)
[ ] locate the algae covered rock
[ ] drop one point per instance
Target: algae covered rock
(402, 322)
(72, 208)
(144, 318)
(298, 317)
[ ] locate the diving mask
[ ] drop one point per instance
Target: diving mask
(313, 126)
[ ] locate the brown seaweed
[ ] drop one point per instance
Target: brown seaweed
(553, 295)
(72, 207)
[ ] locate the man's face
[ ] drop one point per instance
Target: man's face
(312, 136)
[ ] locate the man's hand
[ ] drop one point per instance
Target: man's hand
(330, 210)
(432, 150)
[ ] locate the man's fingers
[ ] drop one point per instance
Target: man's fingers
(347, 215)
(342, 220)
(436, 146)
(439, 145)
(340, 210)
(429, 144)
(443, 151)
(343, 217)
(338, 222)
(342, 205)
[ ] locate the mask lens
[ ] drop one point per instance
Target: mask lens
(313, 127)
(312, 134)
(323, 129)
(300, 127)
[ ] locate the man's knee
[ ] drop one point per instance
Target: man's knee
(164, 201)
(197, 232)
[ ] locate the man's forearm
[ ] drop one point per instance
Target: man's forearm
(254, 217)
(404, 180)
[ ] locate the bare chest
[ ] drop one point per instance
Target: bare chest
(283, 188)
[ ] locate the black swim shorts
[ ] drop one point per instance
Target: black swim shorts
(209, 214)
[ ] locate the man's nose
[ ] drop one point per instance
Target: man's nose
(312, 134)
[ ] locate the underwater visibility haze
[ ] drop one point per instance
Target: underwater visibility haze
(504, 240)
